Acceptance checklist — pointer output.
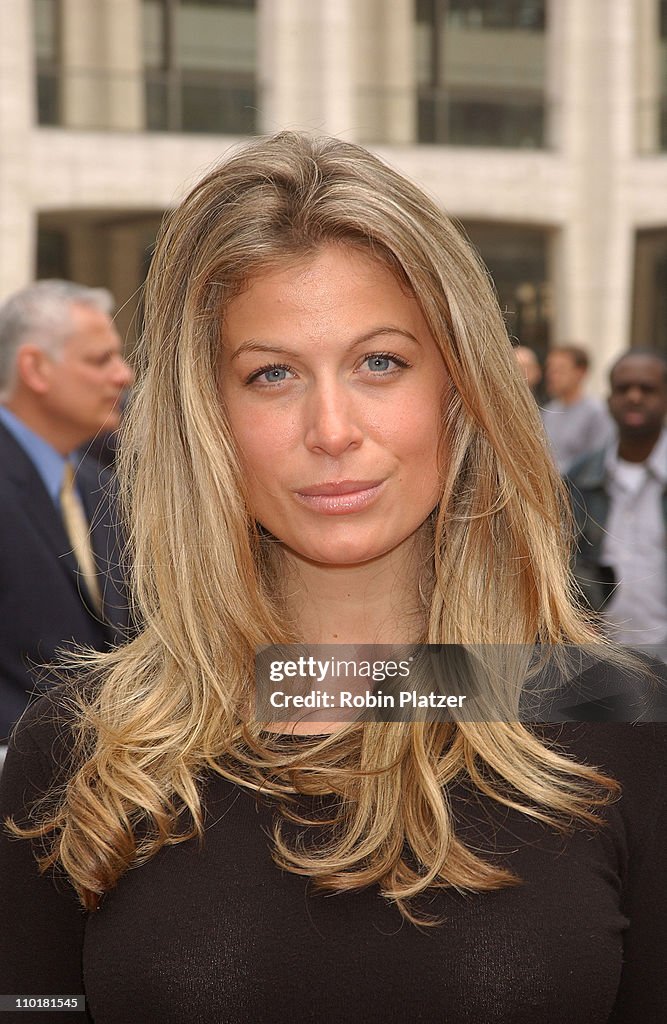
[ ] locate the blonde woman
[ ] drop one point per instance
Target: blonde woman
(330, 443)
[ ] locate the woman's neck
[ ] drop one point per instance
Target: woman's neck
(374, 602)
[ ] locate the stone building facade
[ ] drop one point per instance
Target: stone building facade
(540, 124)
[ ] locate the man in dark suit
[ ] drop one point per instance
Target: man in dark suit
(62, 377)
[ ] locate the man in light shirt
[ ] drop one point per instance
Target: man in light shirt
(575, 423)
(62, 377)
(620, 502)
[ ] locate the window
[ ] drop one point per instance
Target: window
(199, 65)
(649, 312)
(53, 256)
(662, 131)
(512, 14)
(517, 259)
(47, 56)
(480, 72)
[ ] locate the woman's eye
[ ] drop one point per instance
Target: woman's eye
(379, 363)
(275, 374)
(269, 375)
(384, 362)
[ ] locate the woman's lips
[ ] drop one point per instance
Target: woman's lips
(342, 497)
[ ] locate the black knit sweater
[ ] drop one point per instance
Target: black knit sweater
(217, 933)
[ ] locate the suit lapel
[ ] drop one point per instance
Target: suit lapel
(35, 501)
(95, 487)
(39, 510)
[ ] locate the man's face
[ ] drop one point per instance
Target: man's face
(563, 377)
(86, 379)
(638, 399)
(530, 367)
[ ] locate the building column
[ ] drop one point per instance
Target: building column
(336, 80)
(102, 72)
(17, 113)
(285, 60)
(124, 62)
(594, 253)
(399, 68)
(304, 54)
(82, 65)
(648, 71)
(385, 102)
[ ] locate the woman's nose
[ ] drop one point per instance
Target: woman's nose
(332, 423)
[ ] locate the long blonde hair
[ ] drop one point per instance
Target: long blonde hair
(166, 709)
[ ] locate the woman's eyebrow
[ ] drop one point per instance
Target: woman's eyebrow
(258, 345)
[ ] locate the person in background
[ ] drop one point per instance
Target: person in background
(530, 366)
(62, 377)
(619, 497)
(575, 423)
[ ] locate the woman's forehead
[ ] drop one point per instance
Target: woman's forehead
(337, 286)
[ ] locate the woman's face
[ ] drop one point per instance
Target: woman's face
(334, 390)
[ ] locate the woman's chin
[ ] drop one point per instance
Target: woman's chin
(348, 558)
(343, 556)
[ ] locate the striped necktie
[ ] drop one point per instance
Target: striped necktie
(78, 532)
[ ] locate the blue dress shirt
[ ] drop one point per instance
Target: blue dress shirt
(49, 463)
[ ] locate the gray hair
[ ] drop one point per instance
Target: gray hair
(41, 314)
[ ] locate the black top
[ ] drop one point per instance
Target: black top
(216, 933)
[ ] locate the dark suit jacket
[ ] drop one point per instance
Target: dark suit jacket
(43, 600)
